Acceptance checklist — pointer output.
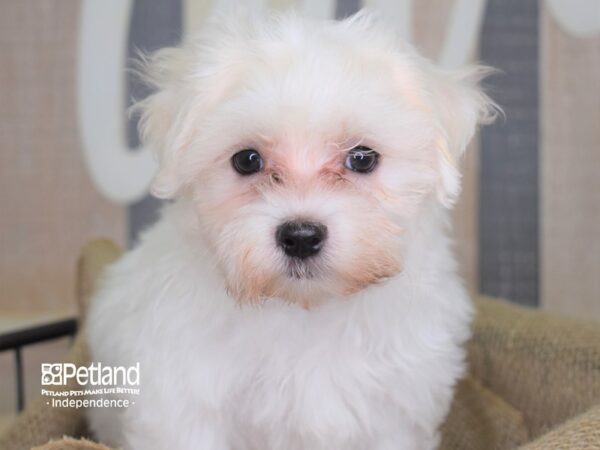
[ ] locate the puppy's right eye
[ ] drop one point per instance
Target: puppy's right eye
(247, 162)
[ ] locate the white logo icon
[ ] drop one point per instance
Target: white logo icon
(51, 374)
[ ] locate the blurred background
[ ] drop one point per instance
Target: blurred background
(71, 167)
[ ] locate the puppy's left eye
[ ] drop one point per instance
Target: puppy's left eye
(361, 159)
(247, 162)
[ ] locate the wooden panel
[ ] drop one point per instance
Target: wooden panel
(429, 28)
(429, 24)
(48, 206)
(570, 168)
(465, 219)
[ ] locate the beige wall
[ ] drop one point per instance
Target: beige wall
(570, 169)
(48, 206)
(429, 27)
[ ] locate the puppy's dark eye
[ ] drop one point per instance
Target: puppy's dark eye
(247, 162)
(361, 159)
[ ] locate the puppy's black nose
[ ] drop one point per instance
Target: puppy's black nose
(301, 239)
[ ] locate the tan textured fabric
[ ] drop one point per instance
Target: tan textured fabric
(40, 422)
(479, 419)
(71, 444)
(545, 366)
(530, 372)
(582, 432)
(95, 256)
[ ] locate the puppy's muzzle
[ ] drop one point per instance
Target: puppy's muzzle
(301, 239)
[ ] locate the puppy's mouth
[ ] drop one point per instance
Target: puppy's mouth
(300, 269)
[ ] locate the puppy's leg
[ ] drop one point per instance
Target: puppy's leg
(407, 439)
(205, 436)
(105, 425)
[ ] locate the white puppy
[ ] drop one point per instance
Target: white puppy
(300, 292)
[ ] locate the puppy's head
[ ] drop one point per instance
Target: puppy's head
(305, 149)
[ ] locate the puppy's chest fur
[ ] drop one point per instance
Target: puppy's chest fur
(267, 369)
(333, 375)
(275, 376)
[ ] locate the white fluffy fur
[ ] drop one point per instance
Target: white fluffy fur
(235, 353)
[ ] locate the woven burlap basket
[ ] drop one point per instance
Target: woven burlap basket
(534, 382)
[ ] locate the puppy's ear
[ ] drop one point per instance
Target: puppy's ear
(187, 82)
(164, 122)
(460, 105)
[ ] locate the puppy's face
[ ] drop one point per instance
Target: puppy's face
(306, 151)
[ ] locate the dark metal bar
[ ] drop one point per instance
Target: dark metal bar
(20, 381)
(38, 333)
(31, 335)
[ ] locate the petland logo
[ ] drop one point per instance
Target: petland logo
(94, 386)
(93, 375)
